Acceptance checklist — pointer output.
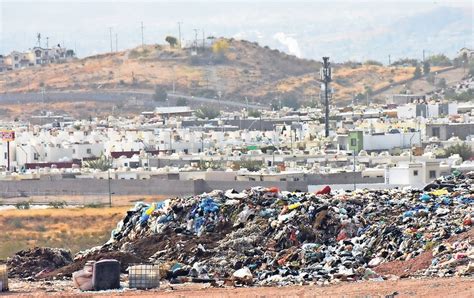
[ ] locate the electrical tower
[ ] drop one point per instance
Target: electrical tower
(326, 78)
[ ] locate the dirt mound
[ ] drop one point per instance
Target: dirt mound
(29, 263)
(406, 268)
(418, 263)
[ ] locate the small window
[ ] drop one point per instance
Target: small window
(433, 174)
(89, 151)
(415, 173)
(353, 142)
(6, 155)
(73, 151)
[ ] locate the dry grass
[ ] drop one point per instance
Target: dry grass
(74, 229)
(249, 70)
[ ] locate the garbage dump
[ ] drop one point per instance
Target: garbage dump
(37, 261)
(265, 236)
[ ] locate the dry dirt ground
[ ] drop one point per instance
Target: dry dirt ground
(438, 287)
(248, 70)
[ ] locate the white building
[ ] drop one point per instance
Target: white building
(390, 141)
(430, 110)
(416, 173)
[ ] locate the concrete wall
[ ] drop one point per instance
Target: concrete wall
(156, 186)
(95, 187)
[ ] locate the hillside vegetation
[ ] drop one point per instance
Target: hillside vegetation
(237, 70)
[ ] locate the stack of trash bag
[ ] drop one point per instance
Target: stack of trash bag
(282, 237)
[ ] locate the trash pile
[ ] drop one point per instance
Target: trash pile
(264, 236)
(37, 261)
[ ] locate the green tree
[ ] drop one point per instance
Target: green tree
(160, 94)
(464, 96)
(405, 61)
(441, 83)
(464, 150)
(254, 113)
(220, 48)
(426, 68)
(471, 68)
(439, 60)
(373, 62)
(102, 163)
(417, 73)
(290, 102)
(173, 41)
(181, 102)
(430, 78)
(207, 113)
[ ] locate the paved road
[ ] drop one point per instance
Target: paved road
(219, 102)
(113, 95)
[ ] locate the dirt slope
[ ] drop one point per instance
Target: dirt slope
(245, 69)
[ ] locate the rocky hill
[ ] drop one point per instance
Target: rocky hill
(237, 70)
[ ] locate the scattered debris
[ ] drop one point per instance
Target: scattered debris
(264, 236)
(269, 237)
(37, 262)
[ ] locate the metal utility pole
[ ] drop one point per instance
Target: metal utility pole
(423, 55)
(110, 193)
(47, 42)
(326, 78)
(116, 42)
(143, 40)
(8, 156)
(111, 47)
(179, 33)
(354, 169)
(389, 60)
(196, 38)
(203, 40)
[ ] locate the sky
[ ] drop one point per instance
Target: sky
(345, 30)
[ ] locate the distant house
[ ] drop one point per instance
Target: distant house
(166, 112)
(36, 56)
(467, 52)
(3, 66)
(415, 173)
(358, 140)
(444, 131)
(429, 110)
(401, 99)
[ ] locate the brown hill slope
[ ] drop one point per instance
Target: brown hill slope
(242, 70)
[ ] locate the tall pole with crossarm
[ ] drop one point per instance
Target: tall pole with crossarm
(326, 78)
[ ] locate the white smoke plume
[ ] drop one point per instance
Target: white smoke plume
(290, 42)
